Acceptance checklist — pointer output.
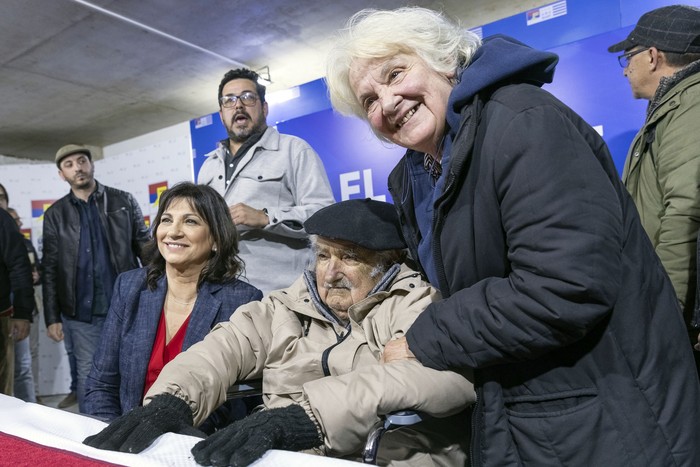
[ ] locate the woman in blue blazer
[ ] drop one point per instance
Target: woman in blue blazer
(188, 286)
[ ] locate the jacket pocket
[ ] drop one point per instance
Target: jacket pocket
(565, 429)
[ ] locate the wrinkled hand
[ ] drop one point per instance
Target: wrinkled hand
(137, 429)
(242, 214)
(245, 441)
(397, 349)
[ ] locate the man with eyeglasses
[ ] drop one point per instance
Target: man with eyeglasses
(661, 60)
(272, 183)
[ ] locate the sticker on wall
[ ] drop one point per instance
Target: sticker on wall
(546, 12)
(27, 233)
(154, 191)
(203, 121)
(147, 220)
(39, 207)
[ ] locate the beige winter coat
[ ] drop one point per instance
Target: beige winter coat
(288, 342)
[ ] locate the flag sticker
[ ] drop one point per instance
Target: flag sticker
(154, 192)
(203, 121)
(545, 13)
(39, 207)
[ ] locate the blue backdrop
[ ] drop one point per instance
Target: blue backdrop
(588, 79)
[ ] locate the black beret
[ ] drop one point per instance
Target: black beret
(674, 28)
(365, 222)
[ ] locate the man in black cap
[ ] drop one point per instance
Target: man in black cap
(317, 345)
(90, 236)
(661, 60)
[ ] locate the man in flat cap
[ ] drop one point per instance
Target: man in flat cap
(661, 60)
(90, 236)
(317, 345)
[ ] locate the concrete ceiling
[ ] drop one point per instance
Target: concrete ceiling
(102, 71)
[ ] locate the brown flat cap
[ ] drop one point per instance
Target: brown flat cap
(69, 150)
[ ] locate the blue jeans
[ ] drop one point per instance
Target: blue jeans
(68, 344)
(85, 338)
(24, 379)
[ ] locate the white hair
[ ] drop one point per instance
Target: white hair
(442, 43)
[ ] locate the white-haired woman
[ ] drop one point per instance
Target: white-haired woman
(513, 207)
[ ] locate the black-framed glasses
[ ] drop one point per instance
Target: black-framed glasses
(624, 59)
(247, 98)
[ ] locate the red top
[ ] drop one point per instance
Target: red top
(162, 353)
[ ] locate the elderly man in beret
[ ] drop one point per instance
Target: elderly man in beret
(661, 61)
(318, 346)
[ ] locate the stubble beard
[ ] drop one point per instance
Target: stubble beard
(89, 178)
(241, 135)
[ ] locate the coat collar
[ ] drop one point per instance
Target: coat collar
(299, 299)
(667, 98)
(203, 317)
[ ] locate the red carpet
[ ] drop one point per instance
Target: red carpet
(18, 452)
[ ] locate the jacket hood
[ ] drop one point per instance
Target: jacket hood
(500, 58)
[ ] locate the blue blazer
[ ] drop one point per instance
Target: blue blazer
(116, 381)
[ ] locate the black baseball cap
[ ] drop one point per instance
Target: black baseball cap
(674, 28)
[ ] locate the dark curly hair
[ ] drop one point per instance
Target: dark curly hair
(224, 265)
(241, 73)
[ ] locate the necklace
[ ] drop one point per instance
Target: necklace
(172, 297)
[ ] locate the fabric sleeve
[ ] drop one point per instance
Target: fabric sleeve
(347, 406)
(678, 166)
(49, 262)
(562, 224)
(234, 350)
(206, 173)
(310, 188)
(19, 269)
(103, 382)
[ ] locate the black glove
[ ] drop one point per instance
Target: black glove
(135, 431)
(245, 441)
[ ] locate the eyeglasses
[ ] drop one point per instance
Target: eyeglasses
(624, 59)
(247, 98)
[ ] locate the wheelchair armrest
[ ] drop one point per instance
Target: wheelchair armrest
(392, 420)
(402, 418)
(252, 387)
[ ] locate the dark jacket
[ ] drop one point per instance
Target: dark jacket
(15, 271)
(126, 234)
(116, 382)
(553, 292)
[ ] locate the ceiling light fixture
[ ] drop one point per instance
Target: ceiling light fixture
(264, 76)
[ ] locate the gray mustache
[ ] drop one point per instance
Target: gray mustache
(343, 284)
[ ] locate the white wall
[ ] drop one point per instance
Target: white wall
(132, 165)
